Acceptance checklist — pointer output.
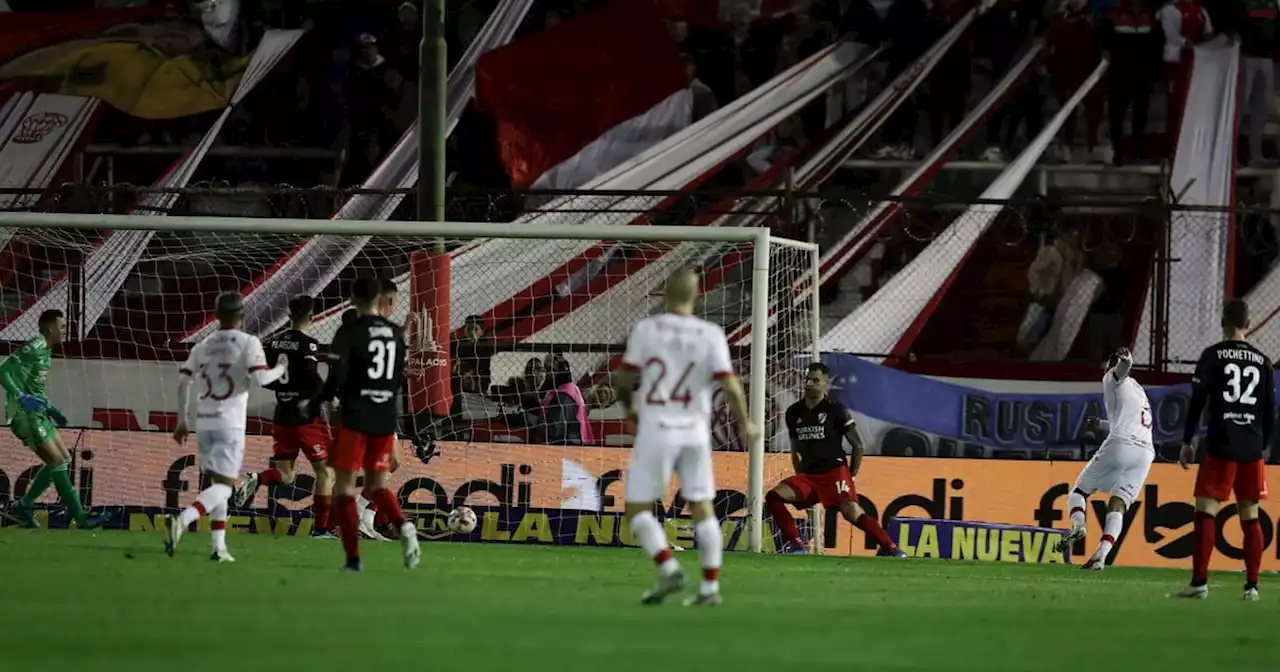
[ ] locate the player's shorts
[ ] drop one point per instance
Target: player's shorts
(1120, 467)
(829, 488)
(311, 441)
(1217, 478)
(220, 451)
(657, 452)
(356, 451)
(33, 429)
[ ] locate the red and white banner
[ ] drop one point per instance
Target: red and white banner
(572, 101)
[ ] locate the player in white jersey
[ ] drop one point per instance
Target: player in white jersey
(677, 359)
(222, 366)
(1120, 466)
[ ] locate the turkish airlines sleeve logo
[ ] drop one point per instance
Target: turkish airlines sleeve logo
(424, 352)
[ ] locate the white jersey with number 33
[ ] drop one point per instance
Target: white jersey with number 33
(222, 366)
(679, 359)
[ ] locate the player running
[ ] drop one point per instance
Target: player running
(1121, 465)
(677, 357)
(1237, 384)
(225, 364)
(819, 426)
(294, 433)
(32, 419)
(366, 373)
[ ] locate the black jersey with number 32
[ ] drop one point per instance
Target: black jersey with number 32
(370, 365)
(1239, 384)
(301, 380)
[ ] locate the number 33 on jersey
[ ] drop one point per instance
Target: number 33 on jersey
(678, 358)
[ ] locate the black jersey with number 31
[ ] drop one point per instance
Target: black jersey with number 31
(369, 360)
(301, 380)
(1239, 383)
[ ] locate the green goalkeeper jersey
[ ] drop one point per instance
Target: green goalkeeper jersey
(26, 370)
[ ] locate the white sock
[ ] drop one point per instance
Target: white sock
(648, 531)
(210, 498)
(711, 551)
(1111, 527)
(1075, 505)
(218, 515)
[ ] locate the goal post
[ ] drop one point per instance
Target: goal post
(579, 309)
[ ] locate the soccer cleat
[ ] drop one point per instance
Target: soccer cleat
(172, 533)
(244, 492)
(23, 515)
(409, 542)
(676, 548)
(323, 534)
(1251, 594)
(1069, 538)
(703, 600)
(1095, 564)
(796, 549)
(94, 521)
(367, 531)
(668, 584)
(891, 553)
(1193, 592)
(221, 555)
(352, 567)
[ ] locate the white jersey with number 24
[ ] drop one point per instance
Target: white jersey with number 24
(679, 359)
(223, 367)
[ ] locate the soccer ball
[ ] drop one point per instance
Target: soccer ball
(462, 520)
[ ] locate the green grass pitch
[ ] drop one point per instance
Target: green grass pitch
(86, 602)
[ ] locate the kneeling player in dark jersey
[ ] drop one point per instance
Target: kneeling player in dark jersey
(294, 433)
(1236, 384)
(818, 426)
(367, 376)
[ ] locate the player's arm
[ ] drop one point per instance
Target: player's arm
(627, 378)
(1195, 408)
(256, 364)
(855, 441)
(1124, 364)
(795, 440)
(11, 371)
(339, 360)
(1269, 399)
(186, 376)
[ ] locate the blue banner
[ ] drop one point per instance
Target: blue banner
(908, 414)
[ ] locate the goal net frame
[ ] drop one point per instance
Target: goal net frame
(762, 305)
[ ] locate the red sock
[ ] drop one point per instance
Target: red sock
(1202, 541)
(782, 516)
(321, 508)
(388, 508)
(871, 526)
(1252, 549)
(270, 476)
(348, 525)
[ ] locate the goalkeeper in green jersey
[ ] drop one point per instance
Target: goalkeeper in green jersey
(32, 419)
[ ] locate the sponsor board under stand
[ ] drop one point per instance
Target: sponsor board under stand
(147, 472)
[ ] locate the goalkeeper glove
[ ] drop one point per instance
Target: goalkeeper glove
(31, 403)
(56, 415)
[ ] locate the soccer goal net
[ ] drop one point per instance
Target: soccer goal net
(504, 323)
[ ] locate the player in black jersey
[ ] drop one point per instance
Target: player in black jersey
(366, 374)
(1235, 383)
(819, 426)
(293, 432)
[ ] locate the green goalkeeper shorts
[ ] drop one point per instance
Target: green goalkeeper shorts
(33, 429)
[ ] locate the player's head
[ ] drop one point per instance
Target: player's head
(301, 309)
(230, 310)
(387, 292)
(365, 295)
(817, 379)
(474, 327)
(1235, 318)
(349, 315)
(53, 326)
(682, 291)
